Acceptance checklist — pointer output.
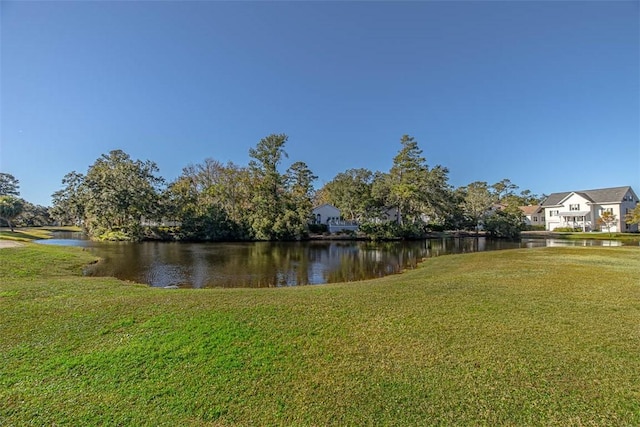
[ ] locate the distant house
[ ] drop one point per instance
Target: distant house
(330, 216)
(582, 209)
(533, 215)
(326, 213)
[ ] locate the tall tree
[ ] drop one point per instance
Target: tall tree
(211, 189)
(408, 179)
(299, 180)
(529, 198)
(504, 188)
(10, 208)
(232, 192)
(120, 191)
(439, 198)
(69, 202)
(9, 185)
(33, 216)
(350, 191)
(268, 203)
(478, 200)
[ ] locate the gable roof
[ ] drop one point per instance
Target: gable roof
(602, 195)
(530, 210)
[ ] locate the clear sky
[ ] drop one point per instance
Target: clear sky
(546, 94)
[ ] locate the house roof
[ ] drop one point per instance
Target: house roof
(530, 210)
(602, 195)
(574, 213)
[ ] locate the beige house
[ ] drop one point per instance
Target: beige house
(582, 209)
(533, 215)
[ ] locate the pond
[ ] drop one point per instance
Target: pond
(270, 264)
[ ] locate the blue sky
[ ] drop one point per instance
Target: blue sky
(546, 94)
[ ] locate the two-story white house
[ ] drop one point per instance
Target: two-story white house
(582, 209)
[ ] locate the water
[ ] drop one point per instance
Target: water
(269, 264)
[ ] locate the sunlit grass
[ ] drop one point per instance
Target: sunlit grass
(603, 235)
(544, 336)
(32, 233)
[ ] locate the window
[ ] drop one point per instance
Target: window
(554, 213)
(574, 207)
(535, 219)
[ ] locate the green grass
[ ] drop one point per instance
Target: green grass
(545, 337)
(32, 233)
(632, 237)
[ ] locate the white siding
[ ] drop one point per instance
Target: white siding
(628, 204)
(325, 213)
(562, 214)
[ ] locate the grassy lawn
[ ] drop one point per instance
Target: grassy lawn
(547, 336)
(603, 235)
(598, 235)
(32, 233)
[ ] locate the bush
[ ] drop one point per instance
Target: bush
(567, 229)
(436, 227)
(504, 224)
(393, 230)
(380, 231)
(535, 228)
(318, 228)
(114, 236)
(350, 233)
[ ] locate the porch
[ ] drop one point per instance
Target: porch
(576, 219)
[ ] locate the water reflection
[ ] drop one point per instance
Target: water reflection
(583, 242)
(267, 264)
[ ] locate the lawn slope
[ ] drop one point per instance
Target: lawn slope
(545, 336)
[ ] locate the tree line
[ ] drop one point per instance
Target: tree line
(120, 198)
(15, 211)
(210, 201)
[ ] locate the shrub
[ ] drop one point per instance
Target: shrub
(567, 229)
(504, 224)
(393, 230)
(114, 236)
(318, 228)
(436, 227)
(380, 231)
(535, 228)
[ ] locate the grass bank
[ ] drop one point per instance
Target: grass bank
(544, 336)
(595, 235)
(32, 233)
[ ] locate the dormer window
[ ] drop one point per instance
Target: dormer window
(574, 207)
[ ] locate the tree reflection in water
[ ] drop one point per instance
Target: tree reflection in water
(270, 264)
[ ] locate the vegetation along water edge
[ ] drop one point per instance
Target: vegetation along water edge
(543, 336)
